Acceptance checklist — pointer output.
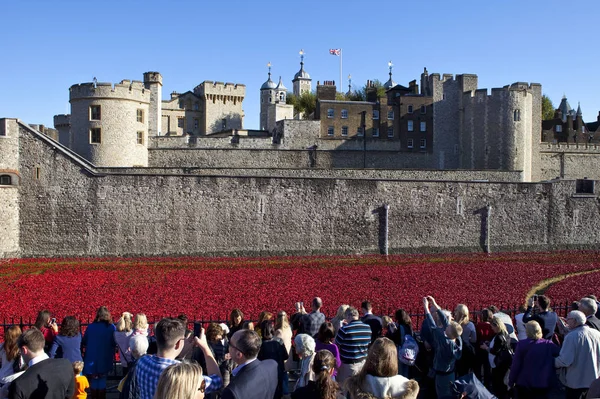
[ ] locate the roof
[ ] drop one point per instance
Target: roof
(301, 74)
(280, 85)
(269, 84)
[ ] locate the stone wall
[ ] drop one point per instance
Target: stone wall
(570, 161)
(74, 210)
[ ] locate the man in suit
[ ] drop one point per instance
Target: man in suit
(371, 320)
(589, 307)
(45, 378)
(252, 378)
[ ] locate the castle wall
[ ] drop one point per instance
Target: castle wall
(118, 122)
(9, 194)
(62, 123)
(277, 112)
(70, 213)
(222, 102)
(573, 161)
(153, 82)
(181, 115)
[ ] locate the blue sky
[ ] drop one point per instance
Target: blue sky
(49, 45)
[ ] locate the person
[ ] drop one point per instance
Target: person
(45, 377)
(252, 378)
(519, 324)
(447, 347)
(339, 318)
(284, 332)
(538, 309)
(324, 386)
(532, 370)
(124, 330)
(579, 358)
(296, 319)
(589, 307)
(507, 320)
(219, 345)
(397, 332)
(188, 342)
(353, 341)
(324, 341)
(138, 346)
(379, 377)
(264, 315)
(99, 343)
(371, 320)
(67, 344)
(9, 353)
(47, 326)
(236, 322)
(313, 320)
(273, 348)
(467, 360)
(499, 356)
(485, 334)
(140, 325)
(305, 348)
(81, 382)
(181, 381)
(170, 334)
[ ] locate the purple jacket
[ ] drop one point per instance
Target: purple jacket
(533, 363)
(333, 348)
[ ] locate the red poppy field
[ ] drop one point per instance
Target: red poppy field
(208, 288)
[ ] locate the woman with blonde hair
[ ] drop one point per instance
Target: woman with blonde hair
(339, 318)
(379, 376)
(469, 338)
(122, 334)
(500, 356)
(140, 325)
(181, 381)
(284, 332)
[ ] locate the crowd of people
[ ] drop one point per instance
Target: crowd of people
(355, 355)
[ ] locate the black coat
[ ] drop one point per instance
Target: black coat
(257, 380)
(48, 379)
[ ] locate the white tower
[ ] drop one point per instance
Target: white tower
(302, 80)
(267, 97)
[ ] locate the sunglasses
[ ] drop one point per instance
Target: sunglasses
(202, 386)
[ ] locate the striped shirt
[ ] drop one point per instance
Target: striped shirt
(353, 341)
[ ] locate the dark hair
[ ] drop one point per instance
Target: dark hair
(317, 302)
(213, 331)
(248, 342)
(543, 301)
(493, 308)
(326, 333)
(42, 319)
(32, 339)
(486, 315)
(323, 362)
(103, 315)
(184, 319)
(167, 332)
(382, 359)
(69, 326)
(267, 329)
(235, 313)
(366, 305)
(402, 317)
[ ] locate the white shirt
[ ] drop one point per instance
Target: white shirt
(37, 359)
(580, 356)
(521, 332)
(236, 370)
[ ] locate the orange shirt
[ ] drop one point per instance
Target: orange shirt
(81, 384)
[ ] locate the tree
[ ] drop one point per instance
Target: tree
(306, 103)
(547, 108)
(361, 94)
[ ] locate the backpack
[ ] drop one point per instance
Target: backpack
(407, 353)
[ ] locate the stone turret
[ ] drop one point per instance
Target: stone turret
(153, 82)
(302, 82)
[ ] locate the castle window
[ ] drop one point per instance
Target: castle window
(423, 143)
(582, 129)
(390, 131)
(409, 143)
(360, 132)
(95, 136)
(270, 99)
(391, 114)
(140, 115)
(344, 130)
(584, 186)
(409, 126)
(344, 114)
(195, 123)
(181, 104)
(95, 112)
(330, 130)
(196, 106)
(375, 114)
(281, 97)
(410, 109)
(423, 109)
(223, 124)
(180, 122)
(330, 113)
(37, 173)
(558, 128)
(517, 115)
(5, 180)
(423, 126)
(375, 132)
(140, 137)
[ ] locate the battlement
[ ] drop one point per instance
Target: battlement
(152, 77)
(126, 89)
(220, 88)
(62, 120)
(515, 89)
(592, 148)
(450, 77)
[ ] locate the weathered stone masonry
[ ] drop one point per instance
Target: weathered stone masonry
(72, 209)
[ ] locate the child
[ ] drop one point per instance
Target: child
(81, 382)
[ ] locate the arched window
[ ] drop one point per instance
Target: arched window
(5, 180)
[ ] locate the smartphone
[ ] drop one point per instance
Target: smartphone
(197, 328)
(301, 304)
(53, 320)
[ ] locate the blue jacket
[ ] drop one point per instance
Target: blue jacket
(445, 351)
(99, 343)
(67, 348)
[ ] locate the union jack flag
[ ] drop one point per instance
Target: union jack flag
(335, 51)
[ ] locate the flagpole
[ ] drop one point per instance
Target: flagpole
(340, 84)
